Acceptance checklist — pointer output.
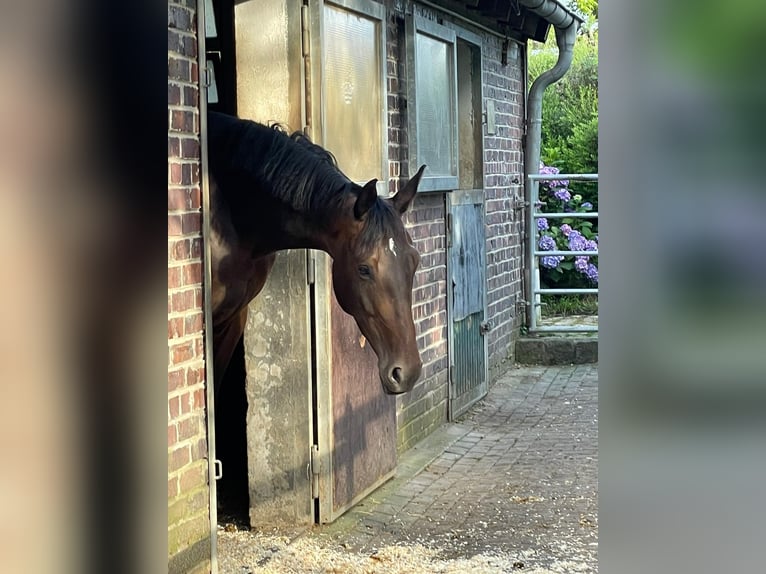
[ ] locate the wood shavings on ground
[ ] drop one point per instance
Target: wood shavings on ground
(256, 553)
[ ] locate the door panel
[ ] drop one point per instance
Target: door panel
(277, 335)
(364, 417)
(356, 420)
(468, 372)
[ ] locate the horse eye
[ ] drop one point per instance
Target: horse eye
(365, 272)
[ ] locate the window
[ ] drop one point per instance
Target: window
(354, 89)
(432, 105)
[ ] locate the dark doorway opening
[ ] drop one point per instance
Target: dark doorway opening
(231, 444)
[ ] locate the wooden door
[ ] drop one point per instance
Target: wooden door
(355, 448)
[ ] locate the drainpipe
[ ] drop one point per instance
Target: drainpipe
(565, 24)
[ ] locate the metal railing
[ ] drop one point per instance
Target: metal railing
(535, 300)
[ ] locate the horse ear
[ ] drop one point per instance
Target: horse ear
(404, 196)
(368, 195)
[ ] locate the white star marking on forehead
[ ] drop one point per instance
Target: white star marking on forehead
(392, 246)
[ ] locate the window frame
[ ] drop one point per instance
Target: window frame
(420, 25)
(376, 12)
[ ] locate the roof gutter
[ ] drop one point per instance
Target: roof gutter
(566, 25)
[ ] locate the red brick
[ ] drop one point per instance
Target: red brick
(175, 225)
(189, 148)
(179, 69)
(196, 248)
(174, 277)
(193, 324)
(192, 478)
(186, 403)
(176, 379)
(181, 250)
(179, 18)
(178, 200)
(195, 376)
(172, 435)
(174, 148)
(199, 449)
(190, 48)
(181, 352)
(182, 121)
(179, 458)
(174, 408)
(191, 97)
(191, 223)
(200, 398)
(176, 327)
(176, 173)
(183, 300)
(195, 197)
(174, 92)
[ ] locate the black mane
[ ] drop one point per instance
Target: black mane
(294, 170)
(245, 156)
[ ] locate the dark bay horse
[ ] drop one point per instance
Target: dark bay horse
(270, 191)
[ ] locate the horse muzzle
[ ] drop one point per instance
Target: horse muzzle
(398, 379)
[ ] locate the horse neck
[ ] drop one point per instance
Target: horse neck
(272, 225)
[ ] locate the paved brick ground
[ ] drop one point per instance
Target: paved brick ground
(517, 474)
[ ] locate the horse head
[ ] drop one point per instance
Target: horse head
(373, 274)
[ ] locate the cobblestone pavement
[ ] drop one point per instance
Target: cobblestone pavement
(511, 486)
(518, 476)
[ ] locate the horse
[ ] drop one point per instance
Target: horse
(271, 191)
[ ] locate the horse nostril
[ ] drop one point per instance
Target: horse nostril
(396, 375)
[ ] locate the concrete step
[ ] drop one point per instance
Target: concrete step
(565, 350)
(560, 348)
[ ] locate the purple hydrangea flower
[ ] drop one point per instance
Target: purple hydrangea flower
(566, 229)
(576, 241)
(587, 205)
(550, 170)
(581, 263)
(542, 224)
(591, 245)
(551, 261)
(562, 194)
(592, 273)
(547, 243)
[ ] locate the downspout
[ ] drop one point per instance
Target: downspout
(565, 24)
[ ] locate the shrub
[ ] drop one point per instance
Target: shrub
(566, 234)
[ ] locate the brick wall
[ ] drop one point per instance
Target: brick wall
(422, 410)
(425, 408)
(188, 511)
(503, 177)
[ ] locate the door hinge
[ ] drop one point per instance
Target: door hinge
(315, 468)
(451, 373)
(449, 230)
(485, 327)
